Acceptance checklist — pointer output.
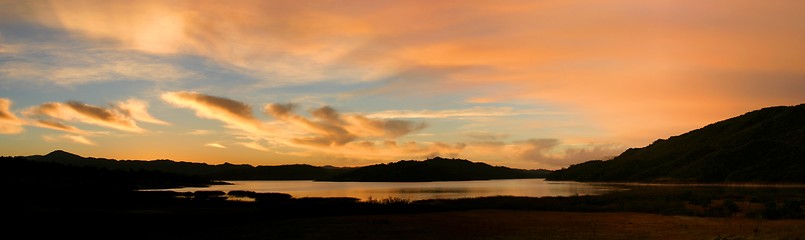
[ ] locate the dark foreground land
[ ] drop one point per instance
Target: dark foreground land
(510, 224)
(52, 201)
(640, 213)
(472, 224)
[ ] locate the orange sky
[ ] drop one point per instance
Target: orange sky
(534, 84)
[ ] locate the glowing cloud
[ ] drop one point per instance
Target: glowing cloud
(487, 136)
(235, 114)
(251, 35)
(214, 145)
(255, 146)
(69, 138)
(629, 71)
(470, 112)
(80, 112)
(390, 128)
(138, 109)
(551, 153)
(200, 132)
(56, 125)
(9, 123)
(74, 68)
(330, 128)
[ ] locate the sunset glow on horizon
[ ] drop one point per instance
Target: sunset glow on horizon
(527, 84)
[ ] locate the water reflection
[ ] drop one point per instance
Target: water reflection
(418, 190)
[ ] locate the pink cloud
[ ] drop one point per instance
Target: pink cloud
(70, 138)
(49, 115)
(234, 113)
(330, 128)
(9, 123)
(138, 110)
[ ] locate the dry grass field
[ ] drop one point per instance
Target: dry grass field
(508, 224)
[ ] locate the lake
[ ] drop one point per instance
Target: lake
(416, 190)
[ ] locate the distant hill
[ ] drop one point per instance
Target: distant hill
(21, 174)
(436, 169)
(766, 145)
(224, 171)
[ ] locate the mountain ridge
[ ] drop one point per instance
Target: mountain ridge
(229, 171)
(765, 145)
(435, 169)
(224, 171)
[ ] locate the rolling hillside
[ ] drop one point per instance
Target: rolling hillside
(766, 145)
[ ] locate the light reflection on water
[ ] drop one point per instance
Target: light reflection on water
(416, 190)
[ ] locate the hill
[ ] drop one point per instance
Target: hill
(436, 169)
(21, 174)
(224, 171)
(766, 145)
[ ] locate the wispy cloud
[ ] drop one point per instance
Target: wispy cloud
(256, 146)
(138, 110)
(657, 64)
(70, 138)
(468, 112)
(81, 112)
(65, 65)
(261, 38)
(330, 128)
(326, 131)
(487, 136)
(552, 153)
(56, 125)
(9, 123)
(214, 145)
(233, 113)
(200, 132)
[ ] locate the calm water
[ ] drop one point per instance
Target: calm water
(418, 190)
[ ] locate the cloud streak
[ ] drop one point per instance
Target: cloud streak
(261, 38)
(330, 128)
(322, 132)
(235, 114)
(72, 65)
(551, 152)
(56, 125)
(50, 112)
(325, 130)
(215, 145)
(70, 138)
(138, 110)
(469, 112)
(9, 122)
(629, 71)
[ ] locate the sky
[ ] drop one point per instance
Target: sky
(527, 84)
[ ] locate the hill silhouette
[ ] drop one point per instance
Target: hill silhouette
(21, 173)
(435, 169)
(225, 171)
(766, 145)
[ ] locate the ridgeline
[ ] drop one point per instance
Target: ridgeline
(435, 169)
(762, 146)
(226, 171)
